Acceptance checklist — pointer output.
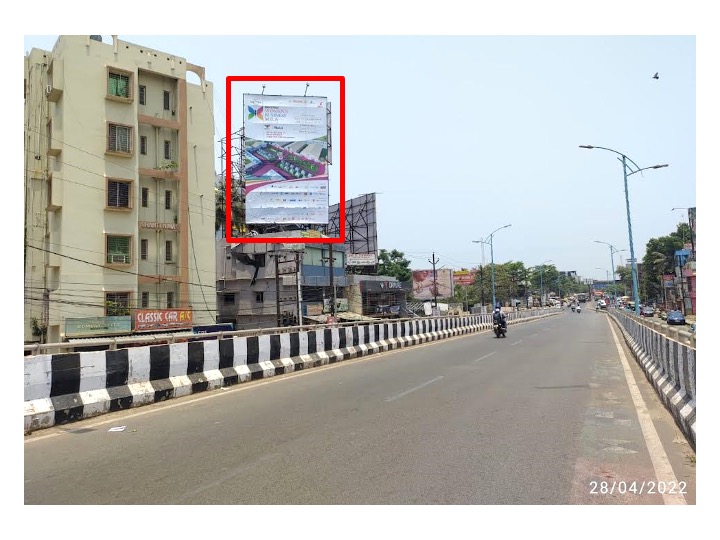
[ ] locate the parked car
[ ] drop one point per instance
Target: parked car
(647, 311)
(675, 317)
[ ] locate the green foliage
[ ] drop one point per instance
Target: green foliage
(38, 329)
(238, 207)
(393, 263)
(659, 259)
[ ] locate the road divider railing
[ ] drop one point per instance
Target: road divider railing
(668, 358)
(67, 387)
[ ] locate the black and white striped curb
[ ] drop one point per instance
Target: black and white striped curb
(63, 388)
(669, 366)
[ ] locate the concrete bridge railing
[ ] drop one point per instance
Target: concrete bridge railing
(668, 358)
(66, 387)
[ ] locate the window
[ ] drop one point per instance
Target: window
(144, 193)
(141, 94)
(145, 299)
(119, 138)
(168, 251)
(118, 249)
(259, 297)
(118, 194)
(170, 299)
(119, 84)
(117, 304)
(228, 299)
(143, 145)
(144, 249)
(167, 150)
(166, 100)
(168, 199)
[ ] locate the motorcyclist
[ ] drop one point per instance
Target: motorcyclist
(499, 317)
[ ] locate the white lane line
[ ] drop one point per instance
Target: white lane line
(484, 357)
(406, 392)
(516, 342)
(661, 463)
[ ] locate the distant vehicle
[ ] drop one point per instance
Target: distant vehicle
(647, 311)
(675, 317)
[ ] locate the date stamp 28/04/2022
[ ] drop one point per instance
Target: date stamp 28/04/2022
(638, 487)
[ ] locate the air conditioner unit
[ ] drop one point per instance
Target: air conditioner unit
(119, 259)
(48, 89)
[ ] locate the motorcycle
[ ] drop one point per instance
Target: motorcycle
(577, 309)
(499, 329)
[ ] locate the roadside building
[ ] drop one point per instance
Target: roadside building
(119, 174)
(257, 283)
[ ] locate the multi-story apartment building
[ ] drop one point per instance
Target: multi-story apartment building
(119, 184)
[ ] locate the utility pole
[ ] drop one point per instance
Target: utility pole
(297, 283)
(277, 288)
(434, 261)
(333, 293)
(332, 281)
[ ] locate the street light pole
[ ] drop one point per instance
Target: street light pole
(613, 250)
(633, 262)
(542, 288)
(492, 259)
(692, 240)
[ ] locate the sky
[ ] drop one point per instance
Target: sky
(461, 135)
(463, 122)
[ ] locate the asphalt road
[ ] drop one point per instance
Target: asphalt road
(543, 416)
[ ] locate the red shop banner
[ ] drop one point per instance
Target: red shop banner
(162, 319)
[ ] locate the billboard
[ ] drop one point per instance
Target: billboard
(97, 326)
(361, 259)
(162, 319)
(424, 285)
(464, 277)
(285, 159)
(360, 221)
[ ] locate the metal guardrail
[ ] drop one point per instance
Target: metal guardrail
(165, 339)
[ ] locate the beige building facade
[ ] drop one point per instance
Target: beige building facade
(119, 184)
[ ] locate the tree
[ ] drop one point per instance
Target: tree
(660, 258)
(393, 263)
(238, 208)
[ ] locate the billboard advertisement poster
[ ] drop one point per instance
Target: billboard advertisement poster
(424, 286)
(97, 326)
(285, 159)
(281, 123)
(162, 319)
(361, 259)
(464, 277)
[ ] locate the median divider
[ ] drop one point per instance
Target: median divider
(669, 363)
(63, 388)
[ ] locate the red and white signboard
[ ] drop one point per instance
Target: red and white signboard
(162, 319)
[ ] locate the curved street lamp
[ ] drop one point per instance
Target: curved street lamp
(492, 260)
(613, 250)
(542, 288)
(626, 168)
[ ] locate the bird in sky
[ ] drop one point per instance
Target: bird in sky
(656, 76)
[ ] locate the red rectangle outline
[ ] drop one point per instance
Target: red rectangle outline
(228, 169)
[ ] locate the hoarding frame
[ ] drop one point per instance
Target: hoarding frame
(340, 79)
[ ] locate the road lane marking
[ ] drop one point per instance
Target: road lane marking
(406, 392)
(516, 342)
(484, 357)
(660, 462)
